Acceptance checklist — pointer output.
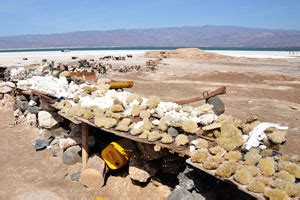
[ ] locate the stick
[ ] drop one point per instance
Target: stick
(206, 95)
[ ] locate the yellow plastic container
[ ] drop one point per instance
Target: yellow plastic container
(116, 154)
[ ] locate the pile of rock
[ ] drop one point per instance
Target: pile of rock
(6, 87)
(130, 68)
(26, 108)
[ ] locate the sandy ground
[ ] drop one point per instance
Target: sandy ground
(30, 175)
(268, 88)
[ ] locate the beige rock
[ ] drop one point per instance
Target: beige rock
(167, 139)
(136, 131)
(46, 120)
(153, 102)
(154, 136)
(189, 126)
(212, 126)
(200, 143)
(217, 150)
(181, 140)
(145, 114)
(136, 110)
(105, 122)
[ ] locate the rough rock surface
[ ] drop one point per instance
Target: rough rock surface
(46, 120)
(71, 155)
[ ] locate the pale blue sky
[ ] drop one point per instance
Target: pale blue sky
(55, 16)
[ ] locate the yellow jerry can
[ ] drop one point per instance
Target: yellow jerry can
(116, 154)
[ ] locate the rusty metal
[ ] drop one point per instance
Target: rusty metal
(205, 96)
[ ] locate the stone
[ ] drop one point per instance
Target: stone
(24, 106)
(22, 98)
(167, 139)
(154, 136)
(180, 193)
(181, 140)
(34, 110)
(57, 152)
(211, 126)
(65, 74)
(31, 119)
(46, 120)
(17, 113)
(26, 113)
(138, 174)
(185, 179)
(66, 142)
(32, 103)
(5, 89)
(40, 144)
(34, 98)
(48, 137)
(140, 170)
(72, 155)
(172, 131)
(189, 126)
(75, 176)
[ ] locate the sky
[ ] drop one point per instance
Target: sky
(18, 17)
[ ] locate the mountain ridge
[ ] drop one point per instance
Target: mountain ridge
(186, 36)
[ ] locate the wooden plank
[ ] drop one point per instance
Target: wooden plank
(183, 151)
(85, 146)
(72, 119)
(212, 172)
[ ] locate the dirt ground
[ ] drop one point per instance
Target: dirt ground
(267, 88)
(30, 175)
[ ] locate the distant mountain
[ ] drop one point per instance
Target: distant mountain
(202, 36)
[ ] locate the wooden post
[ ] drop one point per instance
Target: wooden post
(85, 147)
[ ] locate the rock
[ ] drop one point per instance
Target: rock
(57, 152)
(9, 84)
(140, 170)
(32, 103)
(46, 120)
(67, 142)
(48, 137)
(24, 106)
(65, 74)
(34, 110)
(22, 98)
(34, 98)
(75, 176)
(181, 140)
(21, 119)
(154, 136)
(138, 174)
(180, 193)
(185, 180)
(189, 126)
(5, 89)
(26, 113)
(31, 118)
(167, 139)
(72, 155)
(61, 132)
(172, 131)
(17, 113)
(40, 144)
(211, 126)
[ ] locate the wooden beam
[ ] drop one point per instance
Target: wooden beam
(85, 147)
